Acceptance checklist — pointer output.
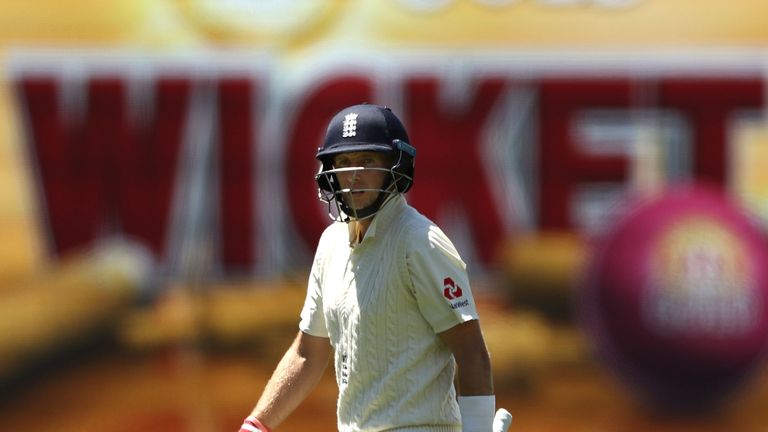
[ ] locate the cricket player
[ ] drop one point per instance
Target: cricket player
(388, 296)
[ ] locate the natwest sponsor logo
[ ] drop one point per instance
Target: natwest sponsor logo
(451, 291)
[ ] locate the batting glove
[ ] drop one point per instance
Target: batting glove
(502, 420)
(252, 424)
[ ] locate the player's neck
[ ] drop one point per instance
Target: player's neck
(359, 228)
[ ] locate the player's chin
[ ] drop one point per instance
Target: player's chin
(359, 200)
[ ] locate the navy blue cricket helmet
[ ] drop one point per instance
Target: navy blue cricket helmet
(359, 128)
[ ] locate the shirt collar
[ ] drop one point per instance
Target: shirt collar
(383, 218)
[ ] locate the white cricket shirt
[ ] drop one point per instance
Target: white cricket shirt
(382, 303)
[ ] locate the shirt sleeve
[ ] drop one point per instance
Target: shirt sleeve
(312, 318)
(440, 281)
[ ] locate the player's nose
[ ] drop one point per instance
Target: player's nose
(354, 176)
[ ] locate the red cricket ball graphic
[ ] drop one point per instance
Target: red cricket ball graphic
(675, 299)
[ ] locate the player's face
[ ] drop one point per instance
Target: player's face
(365, 182)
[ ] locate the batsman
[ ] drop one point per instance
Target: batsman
(388, 296)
